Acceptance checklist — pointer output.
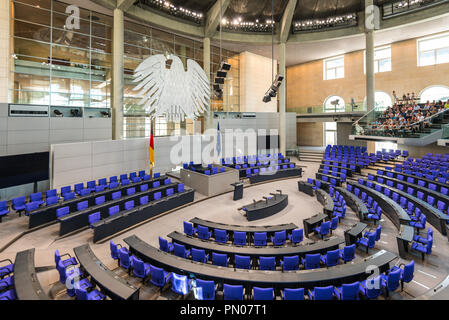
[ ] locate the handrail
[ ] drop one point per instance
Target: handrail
(365, 115)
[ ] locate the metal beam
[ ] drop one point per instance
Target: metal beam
(213, 17)
(286, 21)
(125, 4)
(154, 18)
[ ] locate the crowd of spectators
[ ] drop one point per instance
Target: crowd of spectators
(407, 115)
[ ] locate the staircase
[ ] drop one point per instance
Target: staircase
(311, 156)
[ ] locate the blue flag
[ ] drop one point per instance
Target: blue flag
(218, 140)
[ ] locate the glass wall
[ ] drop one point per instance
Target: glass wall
(141, 41)
(54, 64)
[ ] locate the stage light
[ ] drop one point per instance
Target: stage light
(272, 91)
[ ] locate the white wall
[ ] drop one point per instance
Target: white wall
(256, 77)
(20, 135)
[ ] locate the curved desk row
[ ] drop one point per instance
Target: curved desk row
(395, 213)
(47, 214)
(265, 208)
(347, 165)
(279, 174)
(320, 176)
(338, 169)
(254, 252)
(440, 292)
(306, 187)
(354, 203)
(26, 284)
(332, 173)
(427, 192)
(434, 216)
(250, 230)
(326, 201)
(79, 219)
(125, 219)
(415, 178)
(335, 276)
(110, 283)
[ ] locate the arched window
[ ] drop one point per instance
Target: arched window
(382, 100)
(334, 104)
(434, 93)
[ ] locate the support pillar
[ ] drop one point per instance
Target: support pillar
(117, 75)
(282, 100)
(208, 121)
(369, 61)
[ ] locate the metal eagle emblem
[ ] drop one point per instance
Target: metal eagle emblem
(171, 91)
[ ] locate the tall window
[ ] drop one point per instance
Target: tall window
(54, 65)
(435, 93)
(382, 60)
(382, 101)
(330, 133)
(433, 50)
(334, 104)
(334, 68)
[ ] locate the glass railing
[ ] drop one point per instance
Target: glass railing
(372, 124)
(349, 107)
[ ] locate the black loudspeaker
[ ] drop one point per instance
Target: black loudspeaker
(266, 98)
(225, 66)
(219, 80)
(221, 74)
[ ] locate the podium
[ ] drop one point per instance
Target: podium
(238, 190)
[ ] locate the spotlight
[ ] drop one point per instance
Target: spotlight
(225, 66)
(272, 91)
(221, 74)
(219, 80)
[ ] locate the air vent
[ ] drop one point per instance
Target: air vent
(20, 110)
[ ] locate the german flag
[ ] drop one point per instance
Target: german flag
(151, 154)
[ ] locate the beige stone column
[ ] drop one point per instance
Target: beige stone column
(117, 75)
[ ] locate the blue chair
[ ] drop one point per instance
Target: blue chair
(260, 239)
(391, 281)
(369, 242)
(292, 294)
(233, 292)
(297, 236)
(199, 255)
(129, 205)
(334, 224)
(180, 250)
(220, 236)
(78, 187)
(347, 253)
(60, 212)
(425, 240)
(242, 262)
(331, 258)
(113, 210)
(100, 200)
(91, 295)
(290, 263)
(323, 229)
(156, 184)
(348, 291)
(36, 197)
(141, 269)
(423, 248)
(143, 200)
(93, 218)
(279, 238)
(220, 259)
(263, 293)
(65, 190)
(18, 204)
(82, 205)
(143, 187)
(239, 238)
(125, 259)
(159, 277)
(267, 263)
(204, 233)
(312, 261)
(114, 250)
(65, 262)
(406, 272)
(189, 229)
(180, 284)
(321, 293)
(157, 195)
(205, 290)
(165, 246)
(116, 195)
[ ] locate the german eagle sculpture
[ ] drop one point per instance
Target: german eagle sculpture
(171, 91)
